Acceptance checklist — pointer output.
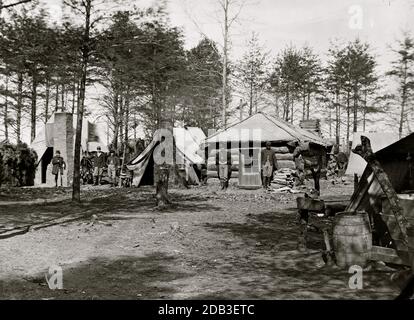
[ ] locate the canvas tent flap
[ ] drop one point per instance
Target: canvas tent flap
(186, 146)
(262, 127)
(379, 140)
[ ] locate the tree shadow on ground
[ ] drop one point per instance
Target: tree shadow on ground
(125, 277)
(296, 275)
(127, 203)
(272, 268)
(270, 229)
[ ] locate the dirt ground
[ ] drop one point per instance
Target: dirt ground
(237, 244)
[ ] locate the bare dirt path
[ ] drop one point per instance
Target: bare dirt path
(234, 245)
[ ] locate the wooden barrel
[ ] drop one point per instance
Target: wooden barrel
(352, 239)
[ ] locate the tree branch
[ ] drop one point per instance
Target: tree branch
(14, 4)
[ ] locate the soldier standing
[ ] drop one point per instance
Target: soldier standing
(224, 163)
(269, 164)
(58, 166)
(312, 159)
(113, 164)
(98, 165)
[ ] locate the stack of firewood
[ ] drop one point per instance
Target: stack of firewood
(284, 177)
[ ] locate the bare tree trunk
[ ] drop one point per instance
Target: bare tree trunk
(403, 100)
(121, 120)
(73, 98)
(304, 106)
(308, 106)
(57, 98)
(338, 119)
(226, 4)
(348, 119)
(6, 107)
(364, 111)
(277, 104)
(116, 121)
(84, 72)
(33, 109)
(63, 97)
(251, 99)
(126, 110)
(162, 173)
(355, 109)
(19, 106)
(47, 98)
(291, 110)
(287, 106)
(330, 123)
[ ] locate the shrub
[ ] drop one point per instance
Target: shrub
(17, 165)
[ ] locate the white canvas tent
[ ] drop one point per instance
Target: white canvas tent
(92, 136)
(379, 140)
(187, 141)
(59, 133)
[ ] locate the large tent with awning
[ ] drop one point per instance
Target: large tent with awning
(187, 141)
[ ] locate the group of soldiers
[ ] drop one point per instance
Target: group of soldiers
(92, 167)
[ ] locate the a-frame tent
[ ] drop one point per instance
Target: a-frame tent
(187, 142)
(397, 160)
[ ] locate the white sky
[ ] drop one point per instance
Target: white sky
(280, 23)
(284, 22)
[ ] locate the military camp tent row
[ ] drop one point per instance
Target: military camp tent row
(194, 149)
(250, 133)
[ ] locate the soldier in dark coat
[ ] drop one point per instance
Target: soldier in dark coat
(269, 164)
(313, 159)
(86, 168)
(113, 165)
(99, 164)
(224, 163)
(58, 166)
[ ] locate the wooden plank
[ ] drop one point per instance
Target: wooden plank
(392, 226)
(390, 255)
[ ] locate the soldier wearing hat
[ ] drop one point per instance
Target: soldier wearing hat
(269, 164)
(98, 166)
(113, 164)
(58, 166)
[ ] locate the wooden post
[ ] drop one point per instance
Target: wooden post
(355, 181)
(328, 253)
(365, 151)
(162, 174)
